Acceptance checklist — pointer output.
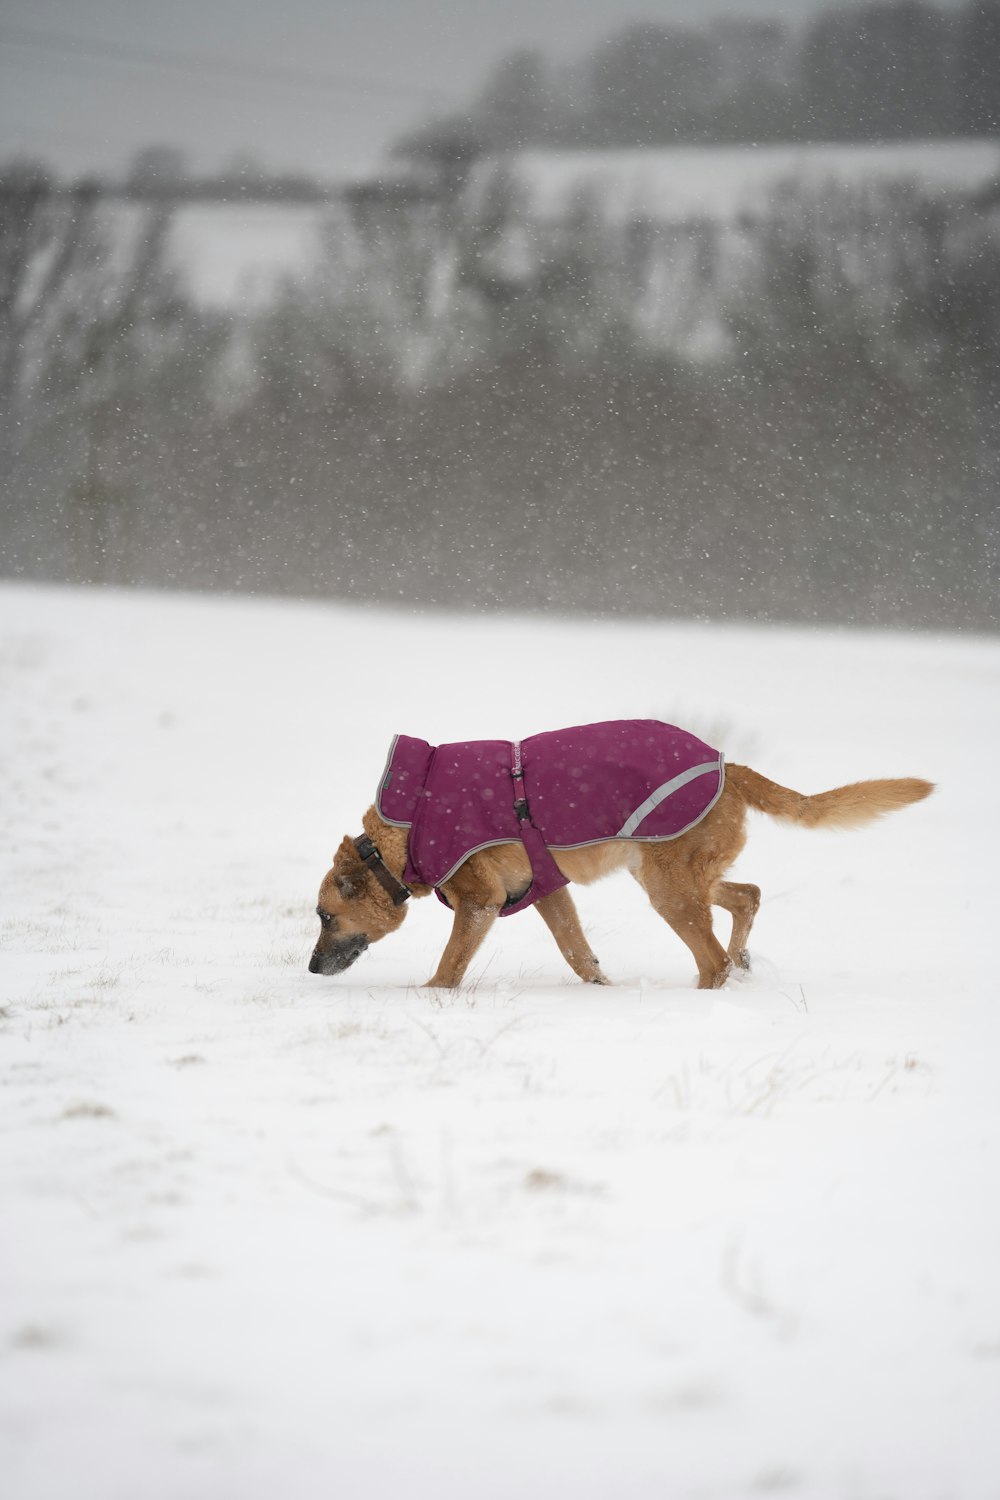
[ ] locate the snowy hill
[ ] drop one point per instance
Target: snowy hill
(266, 1233)
(720, 184)
(232, 255)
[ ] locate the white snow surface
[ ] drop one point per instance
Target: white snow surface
(241, 255)
(265, 1233)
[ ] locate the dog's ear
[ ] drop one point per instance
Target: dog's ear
(346, 855)
(349, 871)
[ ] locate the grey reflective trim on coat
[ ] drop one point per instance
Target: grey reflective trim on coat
(661, 794)
(381, 788)
(478, 848)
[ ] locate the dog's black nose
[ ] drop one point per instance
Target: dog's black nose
(314, 967)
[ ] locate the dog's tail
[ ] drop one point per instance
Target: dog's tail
(845, 807)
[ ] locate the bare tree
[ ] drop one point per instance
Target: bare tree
(82, 299)
(118, 309)
(43, 236)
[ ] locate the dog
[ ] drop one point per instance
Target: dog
(493, 826)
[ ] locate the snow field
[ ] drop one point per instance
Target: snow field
(719, 184)
(265, 1232)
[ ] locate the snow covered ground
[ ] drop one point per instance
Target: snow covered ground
(239, 255)
(721, 184)
(270, 1234)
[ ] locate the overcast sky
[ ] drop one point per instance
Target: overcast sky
(85, 83)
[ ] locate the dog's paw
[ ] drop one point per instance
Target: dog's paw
(717, 980)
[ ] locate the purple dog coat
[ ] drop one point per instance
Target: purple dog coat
(633, 779)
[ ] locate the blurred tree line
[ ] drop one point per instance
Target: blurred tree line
(792, 418)
(883, 70)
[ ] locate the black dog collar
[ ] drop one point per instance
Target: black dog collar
(370, 857)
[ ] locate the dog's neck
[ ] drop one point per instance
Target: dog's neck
(392, 843)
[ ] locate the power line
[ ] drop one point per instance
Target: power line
(206, 63)
(87, 70)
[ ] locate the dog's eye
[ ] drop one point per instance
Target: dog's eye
(324, 916)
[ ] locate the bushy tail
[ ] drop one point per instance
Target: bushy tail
(845, 807)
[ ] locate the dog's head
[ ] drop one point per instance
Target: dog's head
(354, 911)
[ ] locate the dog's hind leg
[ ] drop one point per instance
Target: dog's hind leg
(691, 919)
(742, 902)
(682, 902)
(559, 914)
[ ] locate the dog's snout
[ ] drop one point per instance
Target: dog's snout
(338, 956)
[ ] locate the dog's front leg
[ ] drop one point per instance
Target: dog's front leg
(472, 923)
(559, 913)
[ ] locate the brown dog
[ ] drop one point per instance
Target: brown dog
(360, 899)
